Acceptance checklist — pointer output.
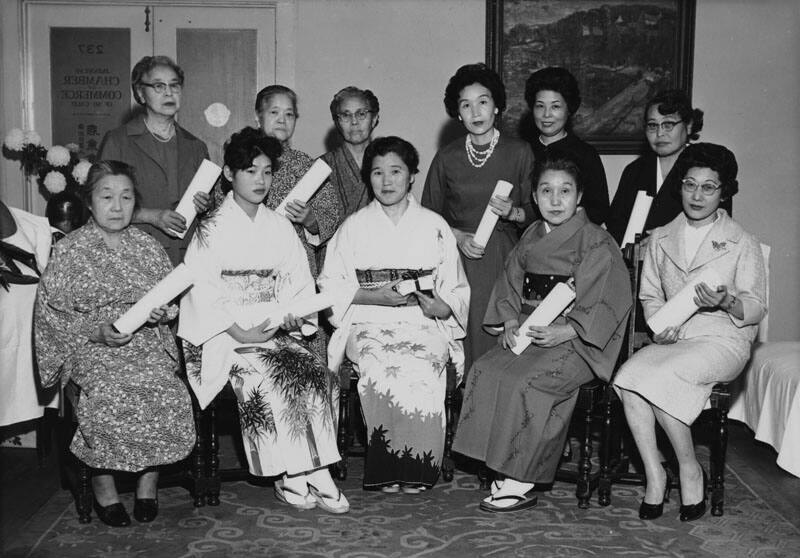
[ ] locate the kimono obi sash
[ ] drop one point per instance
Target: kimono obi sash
(376, 278)
(536, 286)
(250, 286)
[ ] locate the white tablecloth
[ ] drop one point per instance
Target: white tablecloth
(767, 399)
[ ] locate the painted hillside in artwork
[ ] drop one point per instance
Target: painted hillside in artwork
(621, 53)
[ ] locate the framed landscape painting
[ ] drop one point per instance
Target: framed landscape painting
(621, 51)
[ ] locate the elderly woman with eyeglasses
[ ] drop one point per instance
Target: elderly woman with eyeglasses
(670, 123)
(164, 155)
(670, 381)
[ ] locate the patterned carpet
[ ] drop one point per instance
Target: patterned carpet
(443, 522)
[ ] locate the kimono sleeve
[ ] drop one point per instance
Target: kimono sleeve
(339, 273)
(622, 205)
(750, 284)
(452, 285)
(295, 279)
(505, 302)
(325, 205)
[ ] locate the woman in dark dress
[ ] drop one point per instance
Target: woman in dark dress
(461, 181)
(553, 97)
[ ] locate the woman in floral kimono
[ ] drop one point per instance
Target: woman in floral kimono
(517, 407)
(400, 339)
(134, 413)
(248, 259)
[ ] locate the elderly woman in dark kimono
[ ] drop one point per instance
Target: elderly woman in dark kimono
(134, 413)
(517, 407)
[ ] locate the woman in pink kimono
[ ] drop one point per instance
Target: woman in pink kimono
(670, 381)
(400, 339)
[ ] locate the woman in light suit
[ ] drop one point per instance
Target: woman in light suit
(671, 380)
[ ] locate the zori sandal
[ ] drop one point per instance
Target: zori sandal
(291, 496)
(339, 504)
(522, 502)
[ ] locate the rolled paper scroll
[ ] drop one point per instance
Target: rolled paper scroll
(299, 308)
(178, 280)
(548, 310)
(489, 219)
(424, 283)
(680, 307)
(641, 208)
(306, 186)
(203, 180)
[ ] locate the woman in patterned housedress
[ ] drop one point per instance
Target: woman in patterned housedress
(400, 343)
(134, 413)
(670, 381)
(247, 259)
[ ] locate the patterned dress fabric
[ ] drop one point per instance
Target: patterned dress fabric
(713, 346)
(517, 408)
(286, 394)
(460, 192)
(133, 412)
(346, 180)
(400, 354)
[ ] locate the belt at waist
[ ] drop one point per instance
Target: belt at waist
(376, 278)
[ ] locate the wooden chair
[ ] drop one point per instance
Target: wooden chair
(348, 405)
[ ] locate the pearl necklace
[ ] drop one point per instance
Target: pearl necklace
(162, 138)
(478, 158)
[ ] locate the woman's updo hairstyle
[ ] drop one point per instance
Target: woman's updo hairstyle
(100, 170)
(242, 149)
(466, 76)
(711, 156)
(555, 79)
(557, 160)
(381, 147)
(265, 95)
(675, 101)
(350, 92)
(147, 65)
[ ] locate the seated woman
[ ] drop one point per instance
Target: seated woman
(134, 413)
(517, 408)
(671, 380)
(247, 259)
(400, 340)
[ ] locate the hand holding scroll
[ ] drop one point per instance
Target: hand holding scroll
(501, 206)
(466, 243)
(708, 297)
(552, 335)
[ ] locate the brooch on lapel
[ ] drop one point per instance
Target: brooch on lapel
(718, 245)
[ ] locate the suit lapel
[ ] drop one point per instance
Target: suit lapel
(671, 242)
(718, 242)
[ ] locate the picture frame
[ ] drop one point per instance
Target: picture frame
(621, 53)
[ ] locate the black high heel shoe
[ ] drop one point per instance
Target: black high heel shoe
(654, 511)
(696, 511)
(113, 515)
(145, 510)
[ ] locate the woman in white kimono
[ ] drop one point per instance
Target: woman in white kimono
(285, 391)
(400, 339)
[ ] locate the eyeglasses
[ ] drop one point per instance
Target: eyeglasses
(708, 188)
(161, 88)
(666, 126)
(360, 115)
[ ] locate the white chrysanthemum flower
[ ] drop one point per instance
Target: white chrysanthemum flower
(55, 182)
(32, 138)
(58, 156)
(81, 171)
(73, 147)
(15, 140)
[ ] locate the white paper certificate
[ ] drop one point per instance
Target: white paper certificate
(203, 181)
(641, 208)
(680, 307)
(299, 308)
(489, 219)
(548, 310)
(178, 280)
(306, 186)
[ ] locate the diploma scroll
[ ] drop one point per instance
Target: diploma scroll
(299, 308)
(424, 283)
(489, 219)
(178, 280)
(548, 310)
(306, 186)
(641, 208)
(204, 179)
(680, 307)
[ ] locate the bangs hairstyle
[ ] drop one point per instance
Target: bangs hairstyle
(100, 170)
(265, 96)
(242, 149)
(718, 158)
(382, 147)
(468, 75)
(350, 92)
(555, 79)
(675, 101)
(147, 65)
(556, 161)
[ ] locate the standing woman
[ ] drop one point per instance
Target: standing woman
(553, 97)
(164, 155)
(460, 183)
(670, 123)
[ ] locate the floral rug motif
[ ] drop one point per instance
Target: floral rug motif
(442, 522)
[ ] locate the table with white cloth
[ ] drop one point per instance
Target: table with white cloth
(766, 397)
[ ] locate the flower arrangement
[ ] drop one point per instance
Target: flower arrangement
(58, 168)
